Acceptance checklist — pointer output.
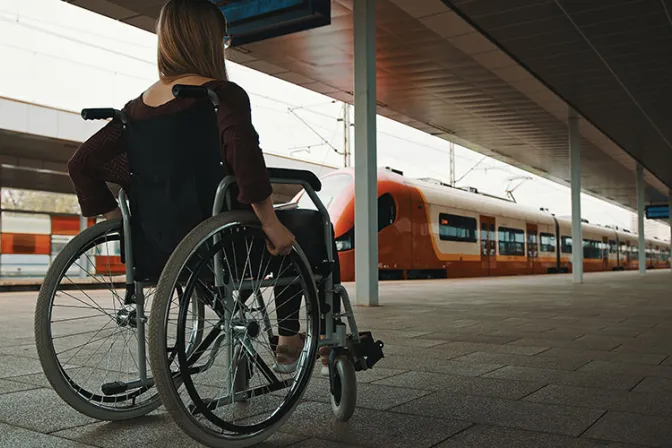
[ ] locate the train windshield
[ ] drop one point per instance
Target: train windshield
(332, 187)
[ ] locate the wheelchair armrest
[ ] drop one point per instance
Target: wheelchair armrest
(286, 175)
(286, 206)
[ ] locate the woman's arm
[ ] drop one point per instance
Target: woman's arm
(280, 239)
(240, 145)
(88, 171)
(241, 151)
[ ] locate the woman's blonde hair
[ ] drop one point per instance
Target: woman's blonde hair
(191, 40)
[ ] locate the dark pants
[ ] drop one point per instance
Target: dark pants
(308, 228)
(288, 302)
(306, 225)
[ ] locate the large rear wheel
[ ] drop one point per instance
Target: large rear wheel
(86, 333)
(227, 391)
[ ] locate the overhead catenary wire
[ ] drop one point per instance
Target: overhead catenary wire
(60, 25)
(74, 39)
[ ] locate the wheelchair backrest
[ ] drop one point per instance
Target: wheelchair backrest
(175, 166)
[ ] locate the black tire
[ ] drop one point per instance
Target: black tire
(169, 388)
(88, 402)
(344, 399)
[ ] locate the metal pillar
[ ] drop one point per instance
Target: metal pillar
(575, 171)
(366, 182)
(84, 264)
(452, 164)
(346, 135)
(640, 219)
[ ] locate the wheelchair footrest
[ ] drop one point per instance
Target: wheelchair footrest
(367, 351)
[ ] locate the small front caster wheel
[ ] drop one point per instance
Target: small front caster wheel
(344, 398)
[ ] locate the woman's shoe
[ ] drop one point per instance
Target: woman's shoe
(324, 357)
(287, 358)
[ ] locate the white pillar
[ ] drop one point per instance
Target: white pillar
(366, 182)
(575, 171)
(640, 219)
(84, 265)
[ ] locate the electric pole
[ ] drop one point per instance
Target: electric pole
(452, 164)
(346, 135)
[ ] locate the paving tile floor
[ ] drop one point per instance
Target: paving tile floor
(501, 362)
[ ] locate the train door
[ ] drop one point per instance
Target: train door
(618, 252)
(532, 247)
(488, 245)
(628, 256)
(605, 253)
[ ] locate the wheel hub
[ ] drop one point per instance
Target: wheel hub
(127, 318)
(253, 329)
(248, 329)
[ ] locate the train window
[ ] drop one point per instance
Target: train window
(387, 215)
(387, 211)
(547, 242)
(511, 241)
(457, 228)
(24, 244)
(592, 250)
(566, 244)
(612, 246)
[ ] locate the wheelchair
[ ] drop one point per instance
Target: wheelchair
(197, 330)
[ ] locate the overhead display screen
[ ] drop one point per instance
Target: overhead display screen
(256, 20)
(659, 211)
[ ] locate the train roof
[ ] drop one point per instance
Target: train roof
(476, 201)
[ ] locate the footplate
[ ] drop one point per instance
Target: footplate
(367, 352)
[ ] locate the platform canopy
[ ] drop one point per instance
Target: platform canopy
(498, 77)
(36, 143)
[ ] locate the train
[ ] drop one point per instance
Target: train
(428, 229)
(29, 241)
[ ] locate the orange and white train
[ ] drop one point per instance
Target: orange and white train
(431, 230)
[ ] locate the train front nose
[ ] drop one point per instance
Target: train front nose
(337, 195)
(345, 245)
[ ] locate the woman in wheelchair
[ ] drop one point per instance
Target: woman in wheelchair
(205, 254)
(195, 56)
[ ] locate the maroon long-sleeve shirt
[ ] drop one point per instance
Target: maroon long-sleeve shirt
(102, 158)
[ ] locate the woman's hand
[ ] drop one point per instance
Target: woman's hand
(280, 239)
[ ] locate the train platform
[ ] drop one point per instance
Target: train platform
(9, 284)
(497, 362)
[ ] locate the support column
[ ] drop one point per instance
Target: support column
(575, 171)
(366, 182)
(640, 219)
(84, 265)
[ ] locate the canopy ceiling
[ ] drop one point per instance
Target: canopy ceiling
(497, 77)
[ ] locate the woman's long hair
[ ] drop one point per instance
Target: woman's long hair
(191, 40)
